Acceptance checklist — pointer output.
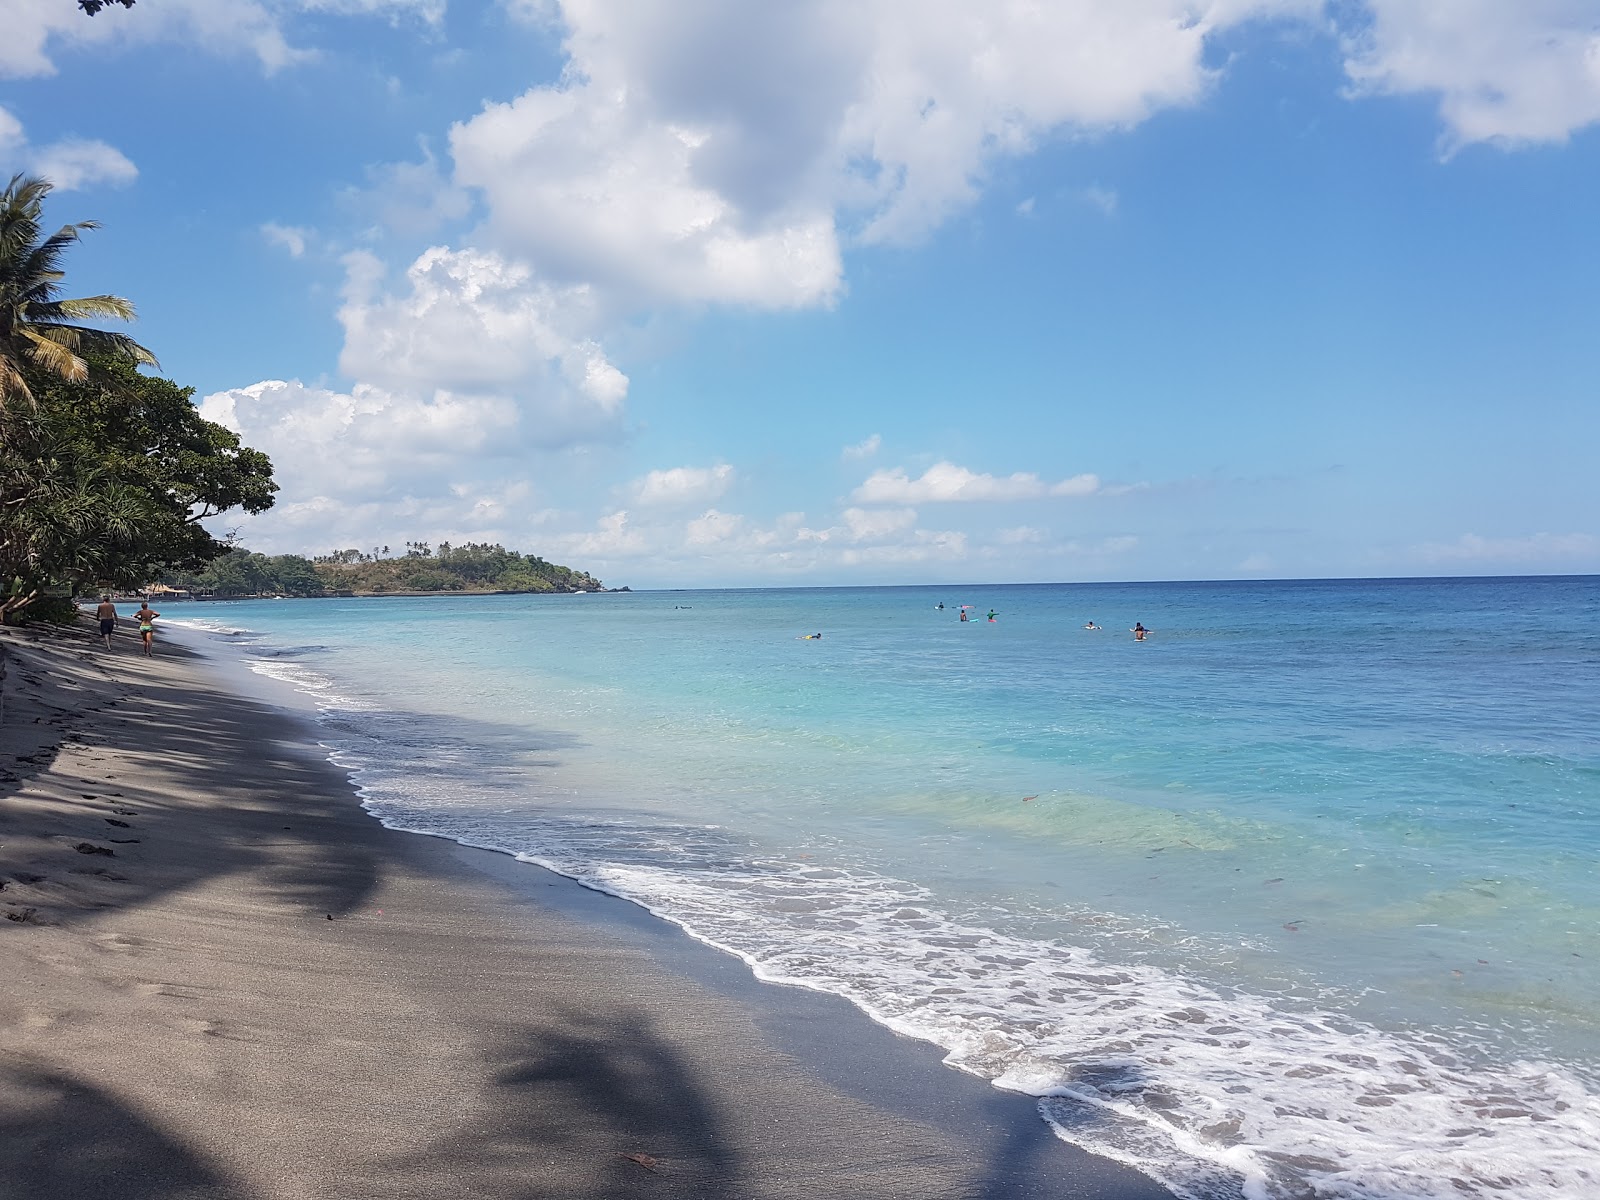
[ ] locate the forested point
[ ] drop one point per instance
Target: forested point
(474, 567)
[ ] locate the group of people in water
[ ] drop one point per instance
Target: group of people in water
(106, 614)
(1139, 631)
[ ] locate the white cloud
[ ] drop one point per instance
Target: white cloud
(70, 163)
(682, 485)
(712, 527)
(1025, 207)
(1256, 563)
(947, 482)
(375, 463)
(476, 323)
(865, 448)
(1551, 548)
(290, 237)
(589, 189)
(676, 159)
(717, 544)
(1505, 71)
(366, 442)
(871, 525)
(35, 30)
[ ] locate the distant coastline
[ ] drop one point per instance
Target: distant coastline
(421, 570)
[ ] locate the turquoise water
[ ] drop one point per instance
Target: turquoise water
(1298, 897)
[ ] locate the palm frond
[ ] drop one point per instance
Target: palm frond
(90, 307)
(54, 357)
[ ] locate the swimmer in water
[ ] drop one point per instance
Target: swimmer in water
(809, 637)
(991, 616)
(1091, 625)
(1139, 631)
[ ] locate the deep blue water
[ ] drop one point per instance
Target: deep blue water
(1299, 893)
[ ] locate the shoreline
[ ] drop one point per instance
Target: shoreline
(218, 1009)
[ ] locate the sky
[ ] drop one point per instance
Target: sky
(717, 293)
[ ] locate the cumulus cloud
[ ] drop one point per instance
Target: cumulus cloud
(470, 322)
(1551, 548)
(682, 485)
(649, 171)
(35, 30)
(947, 482)
(865, 448)
(364, 442)
(1510, 73)
(70, 163)
(675, 160)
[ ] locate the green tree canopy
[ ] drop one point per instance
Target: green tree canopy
(105, 480)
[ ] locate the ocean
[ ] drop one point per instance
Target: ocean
(1298, 897)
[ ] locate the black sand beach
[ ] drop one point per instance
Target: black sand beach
(223, 979)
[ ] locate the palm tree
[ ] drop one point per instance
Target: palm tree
(35, 326)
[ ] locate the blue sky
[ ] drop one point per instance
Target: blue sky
(706, 292)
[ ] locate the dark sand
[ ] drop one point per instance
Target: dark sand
(181, 1018)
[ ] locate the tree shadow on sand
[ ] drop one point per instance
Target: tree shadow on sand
(63, 1139)
(579, 1096)
(231, 786)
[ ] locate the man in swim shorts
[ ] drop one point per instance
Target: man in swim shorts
(106, 614)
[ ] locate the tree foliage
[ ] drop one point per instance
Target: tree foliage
(38, 335)
(93, 6)
(105, 480)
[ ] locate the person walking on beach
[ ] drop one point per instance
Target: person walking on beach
(146, 616)
(106, 614)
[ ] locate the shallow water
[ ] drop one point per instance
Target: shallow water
(1297, 897)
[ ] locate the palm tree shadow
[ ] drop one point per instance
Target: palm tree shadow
(580, 1096)
(61, 1138)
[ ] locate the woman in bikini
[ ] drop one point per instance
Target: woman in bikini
(146, 616)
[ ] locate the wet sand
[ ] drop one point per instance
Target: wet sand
(222, 978)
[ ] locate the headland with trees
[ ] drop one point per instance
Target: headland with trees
(418, 569)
